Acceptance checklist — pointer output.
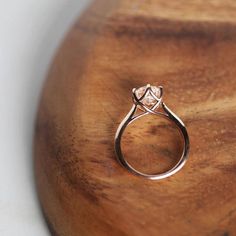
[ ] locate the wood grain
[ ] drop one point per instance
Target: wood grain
(188, 47)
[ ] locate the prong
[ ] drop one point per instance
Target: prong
(161, 90)
(148, 88)
(135, 99)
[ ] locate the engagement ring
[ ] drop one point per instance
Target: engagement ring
(148, 100)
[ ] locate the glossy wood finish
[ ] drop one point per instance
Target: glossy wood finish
(189, 47)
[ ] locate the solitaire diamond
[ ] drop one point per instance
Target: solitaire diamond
(148, 98)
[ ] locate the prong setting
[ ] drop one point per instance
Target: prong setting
(148, 97)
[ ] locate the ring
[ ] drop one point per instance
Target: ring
(148, 100)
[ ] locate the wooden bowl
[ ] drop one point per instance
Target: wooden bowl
(188, 47)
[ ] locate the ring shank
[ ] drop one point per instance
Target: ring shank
(168, 115)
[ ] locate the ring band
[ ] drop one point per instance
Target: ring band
(148, 99)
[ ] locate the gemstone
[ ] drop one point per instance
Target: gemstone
(148, 99)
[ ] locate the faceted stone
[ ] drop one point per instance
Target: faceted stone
(148, 99)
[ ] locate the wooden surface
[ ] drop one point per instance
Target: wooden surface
(189, 47)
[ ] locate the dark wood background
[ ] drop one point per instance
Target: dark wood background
(188, 47)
